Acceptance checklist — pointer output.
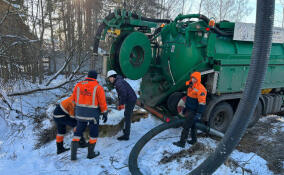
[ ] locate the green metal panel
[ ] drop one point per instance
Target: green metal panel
(233, 58)
(233, 78)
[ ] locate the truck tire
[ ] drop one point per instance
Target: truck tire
(256, 115)
(221, 117)
(173, 100)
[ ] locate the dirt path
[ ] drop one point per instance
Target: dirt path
(266, 139)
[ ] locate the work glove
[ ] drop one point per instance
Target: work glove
(120, 107)
(104, 117)
(189, 83)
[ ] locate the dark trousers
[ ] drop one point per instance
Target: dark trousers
(189, 123)
(127, 117)
(93, 127)
(62, 119)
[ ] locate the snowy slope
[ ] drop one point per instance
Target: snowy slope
(18, 156)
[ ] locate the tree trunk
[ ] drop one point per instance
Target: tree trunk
(50, 9)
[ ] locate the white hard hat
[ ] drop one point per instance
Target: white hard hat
(111, 73)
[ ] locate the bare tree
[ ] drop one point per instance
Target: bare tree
(282, 3)
(50, 9)
(233, 10)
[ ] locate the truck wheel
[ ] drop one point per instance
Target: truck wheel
(221, 117)
(173, 100)
(256, 115)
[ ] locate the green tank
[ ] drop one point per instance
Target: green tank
(165, 55)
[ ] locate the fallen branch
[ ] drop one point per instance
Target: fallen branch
(44, 89)
(237, 164)
(4, 98)
(69, 80)
(19, 38)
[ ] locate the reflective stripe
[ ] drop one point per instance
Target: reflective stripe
(93, 101)
(86, 118)
(94, 95)
(76, 137)
(92, 140)
(60, 135)
(63, 109)
(78, 95)
(89, 106)
(58, 116)
(195, 89)
(202, 103)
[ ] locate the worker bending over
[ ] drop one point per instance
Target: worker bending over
(127, 100)
(63, 115)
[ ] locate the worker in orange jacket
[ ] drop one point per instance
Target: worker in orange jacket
(90, 103)
(194, 107)
(63, 115)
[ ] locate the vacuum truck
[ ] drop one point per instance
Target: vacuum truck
(165, 52)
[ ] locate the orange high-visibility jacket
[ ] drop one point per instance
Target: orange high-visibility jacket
(68, 106)
(87, 96)
(196, 92)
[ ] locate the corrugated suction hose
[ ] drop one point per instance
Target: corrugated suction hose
(258, 67)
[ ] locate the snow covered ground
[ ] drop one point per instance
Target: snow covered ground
(18, 156)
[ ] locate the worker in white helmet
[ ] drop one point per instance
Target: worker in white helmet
(127, 100)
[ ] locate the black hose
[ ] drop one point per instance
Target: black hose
(112, 15)
(99, 33)
(134, 15)
(204, 18)
(215, 29)
(220, 32)
(132, 162)
(258, 67)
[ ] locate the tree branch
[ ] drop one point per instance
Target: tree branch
(4, 98)
(70, 57)
(237, 164)
(44, 89)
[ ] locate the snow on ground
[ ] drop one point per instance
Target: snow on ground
(251, 161)
(18, 156)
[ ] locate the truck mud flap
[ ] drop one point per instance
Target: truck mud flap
(272, 103)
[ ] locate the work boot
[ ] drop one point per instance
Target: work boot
(91, 152)
(60, 148)
(183, 138)
(123, 137)
(179, 144)
(74, 147)
(82, 143)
